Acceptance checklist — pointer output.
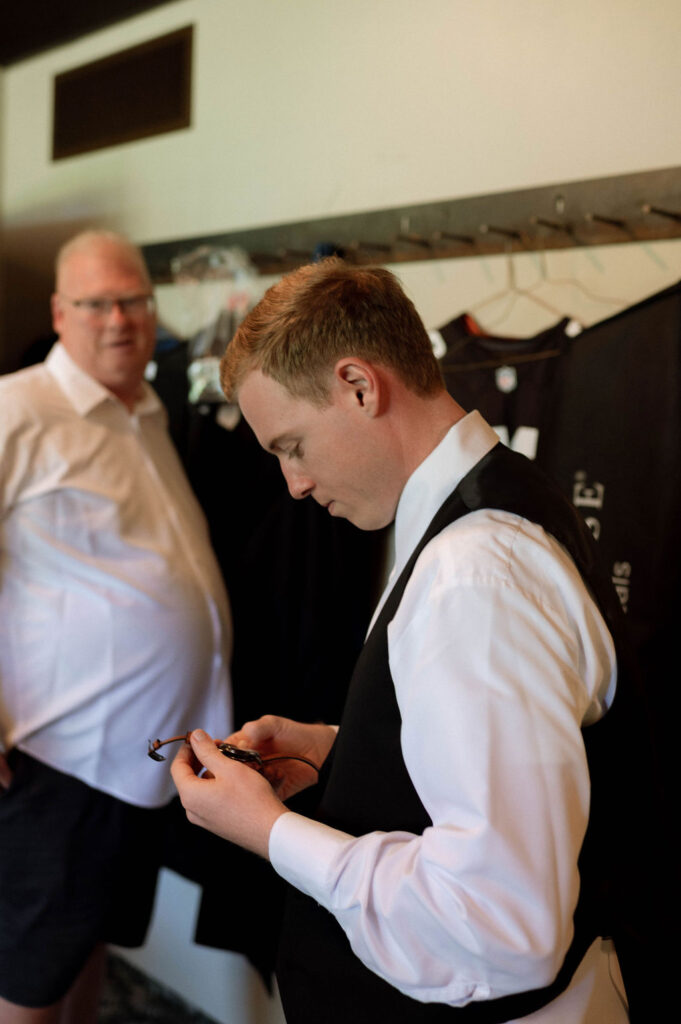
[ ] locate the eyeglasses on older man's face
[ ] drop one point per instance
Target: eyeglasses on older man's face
(135, 307)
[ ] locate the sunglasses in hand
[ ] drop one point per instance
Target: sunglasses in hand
(243, 754)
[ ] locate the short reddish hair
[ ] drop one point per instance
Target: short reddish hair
(321, 313)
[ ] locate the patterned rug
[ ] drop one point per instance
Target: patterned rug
(130, 997)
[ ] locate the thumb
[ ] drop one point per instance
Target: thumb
(205, 749)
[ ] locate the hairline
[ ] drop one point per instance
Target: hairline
(93, 236)
(268, 344)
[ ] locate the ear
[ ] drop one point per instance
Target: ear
(360, 383)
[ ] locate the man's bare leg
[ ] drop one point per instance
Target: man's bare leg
(81, 1003)
(79, 1006)
(10, 1013)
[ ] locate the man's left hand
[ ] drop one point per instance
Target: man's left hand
(231, 799)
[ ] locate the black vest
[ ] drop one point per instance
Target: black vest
(366, 786)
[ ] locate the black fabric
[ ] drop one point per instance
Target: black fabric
(171, 357)
(471, 366)
(608, 411)
(302, 587)
(77, 867)
(614, 448)
(367, 787)
(307, 580)
(233, 882)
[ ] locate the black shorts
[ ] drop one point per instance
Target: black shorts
(77, 867)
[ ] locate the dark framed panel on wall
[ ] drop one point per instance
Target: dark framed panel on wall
(139, 92)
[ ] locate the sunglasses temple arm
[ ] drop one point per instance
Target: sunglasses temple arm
(155, 744)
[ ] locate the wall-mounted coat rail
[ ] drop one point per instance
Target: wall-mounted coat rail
(640, 207)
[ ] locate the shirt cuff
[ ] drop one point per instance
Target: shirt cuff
(304, 852)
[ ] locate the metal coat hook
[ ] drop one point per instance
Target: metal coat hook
(296, 254)
(554, 225)
(614, 222)
(415, 240)
(377, 246)
(618, 202)
(486, 229)
(450, 236)
(670, 214)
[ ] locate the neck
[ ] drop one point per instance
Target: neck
(128, 398)
(426, 422)
(129, 401)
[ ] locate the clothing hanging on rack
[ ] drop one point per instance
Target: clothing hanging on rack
(615, 449)
(300, 613)
(607, 414)
(509, 380)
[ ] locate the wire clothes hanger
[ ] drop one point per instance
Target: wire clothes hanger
(571, 282)
(504, 354)
(513, 292)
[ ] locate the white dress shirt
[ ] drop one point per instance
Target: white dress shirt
(498, 656)
(114, 621)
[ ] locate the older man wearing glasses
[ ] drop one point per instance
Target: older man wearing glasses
(114, 623)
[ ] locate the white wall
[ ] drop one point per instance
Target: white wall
(316, 107)
(2, 261)
(313, 107)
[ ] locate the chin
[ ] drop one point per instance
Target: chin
(369, 522)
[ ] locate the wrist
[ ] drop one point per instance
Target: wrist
(257, 834)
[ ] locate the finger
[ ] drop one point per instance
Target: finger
(237, 739)
(260, 731)
(183, 767)
(249, 738)
(206, 751)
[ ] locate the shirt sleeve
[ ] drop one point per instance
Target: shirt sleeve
(496, 664)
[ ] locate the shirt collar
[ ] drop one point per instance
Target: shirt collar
(84, 392)
(436, 477)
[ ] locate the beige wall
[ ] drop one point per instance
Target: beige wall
(312, 107)
(2, 240)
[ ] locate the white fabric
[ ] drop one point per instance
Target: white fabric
(498, 656)
(114, 621)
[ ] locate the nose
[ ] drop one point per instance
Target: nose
(118, 313)
(299, 485)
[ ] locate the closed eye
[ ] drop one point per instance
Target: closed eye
(286, 448)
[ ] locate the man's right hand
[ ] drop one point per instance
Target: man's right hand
(272, 736)
(5, 773)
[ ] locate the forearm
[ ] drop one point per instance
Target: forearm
(425, 914)
(481, 904)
